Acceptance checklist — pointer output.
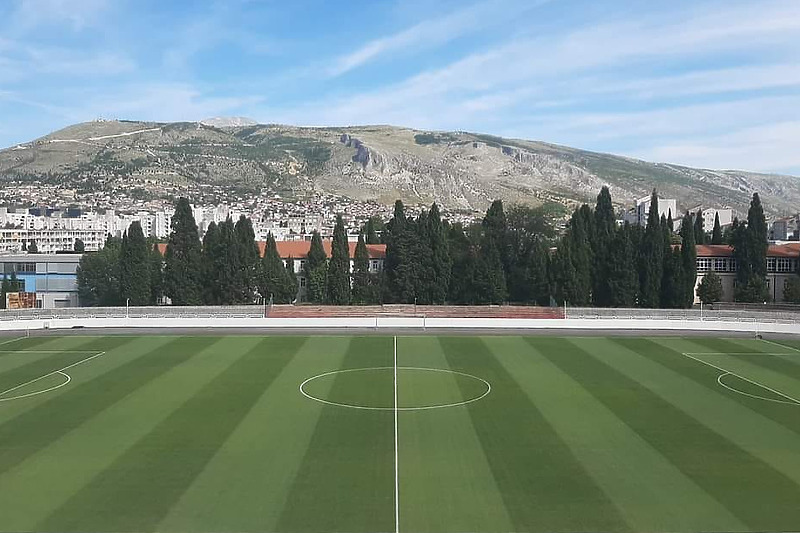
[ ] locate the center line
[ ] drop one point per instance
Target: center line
(396, 462)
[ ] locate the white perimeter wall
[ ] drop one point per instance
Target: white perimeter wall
(410, 323)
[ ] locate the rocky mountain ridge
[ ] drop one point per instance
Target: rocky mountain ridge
(461, 170)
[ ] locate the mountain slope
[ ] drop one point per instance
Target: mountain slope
(457, 169)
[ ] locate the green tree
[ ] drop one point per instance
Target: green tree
(699, 229)
(464, 257)
(98, 275)
(401, 261)
(212, 249)
(361, 276)
(571, 265)
(33, 248)
(791, 292)
(183, 270)
(716, 235)
(603, 234)
(5, 288)
(316, 262)
(750, 250)
(78, 247)
(273, 276)
(156, 266)
(134, 272)
(710, 288)
(371, 229)
(623, 277)
(339, 266)
(290, 280)
(441, 262)
(489, 278)
(248, 259)
(651, 259)
(688, 261)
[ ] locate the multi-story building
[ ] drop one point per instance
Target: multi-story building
(53, 278)
(782, 264)
(50, 241)
(639, 214)
(710, 214)
(785, 229)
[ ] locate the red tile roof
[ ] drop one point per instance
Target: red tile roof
(299, 249)
(724, 250)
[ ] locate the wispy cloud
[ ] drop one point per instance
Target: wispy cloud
(433, 32)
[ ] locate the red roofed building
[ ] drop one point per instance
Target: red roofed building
(782, 264)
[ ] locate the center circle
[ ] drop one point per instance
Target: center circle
(418, 388)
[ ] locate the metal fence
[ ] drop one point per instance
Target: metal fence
(770, 315)
(755, 314)
(233, 311)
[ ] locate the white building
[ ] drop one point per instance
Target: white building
(49, 241)
(666, 207)
(709, 215)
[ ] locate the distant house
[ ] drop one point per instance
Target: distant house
(298, 251)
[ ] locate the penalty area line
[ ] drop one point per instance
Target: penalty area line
(727, 372)
(61, 371)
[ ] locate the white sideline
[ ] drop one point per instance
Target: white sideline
(726, 372)
(54, 372)
(396, 448)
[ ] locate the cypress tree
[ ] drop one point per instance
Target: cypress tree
(699, 229)
(183, 271)
(290, 284)
(464, 257)
(339, 266)
(710, 288)
(489, 278)
(623, 277)
(651, 263)
(750, 250)
(581, 253)
(361, 280)
(134, 274)
(78, 246)
(211, 265)
(441, 262)
(316, 270)
(401, 265)
(716, 235)
(248, 259)
(538, 266)
(688, 261)
(156, 264)
(98, 275)
(272, 278)
(5, 288)
(602, 236)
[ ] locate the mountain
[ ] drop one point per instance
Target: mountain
(458, 169)
(228, 122)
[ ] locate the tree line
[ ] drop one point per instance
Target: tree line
(512, 256)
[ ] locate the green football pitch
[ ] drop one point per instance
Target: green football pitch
(410, 434)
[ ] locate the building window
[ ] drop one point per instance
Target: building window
(375, 265)
(770, 264)
(720, 264)
(703, 264)
(302, 282)
(785, 265)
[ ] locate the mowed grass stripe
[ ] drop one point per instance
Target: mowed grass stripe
(772, 363)
(649, 490)
(543, 485)
(35, 487)
(129, 497)
(759, 495)
(25, 434)
(667, 352)
(346, 480)
(446, 483)
(263, 454)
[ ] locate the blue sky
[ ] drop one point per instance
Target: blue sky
(706, 83)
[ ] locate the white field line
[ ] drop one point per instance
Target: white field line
(15, 339)
(396, 447)
(725, 372)
(34, 380)
(368, 408)
(782, 346)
